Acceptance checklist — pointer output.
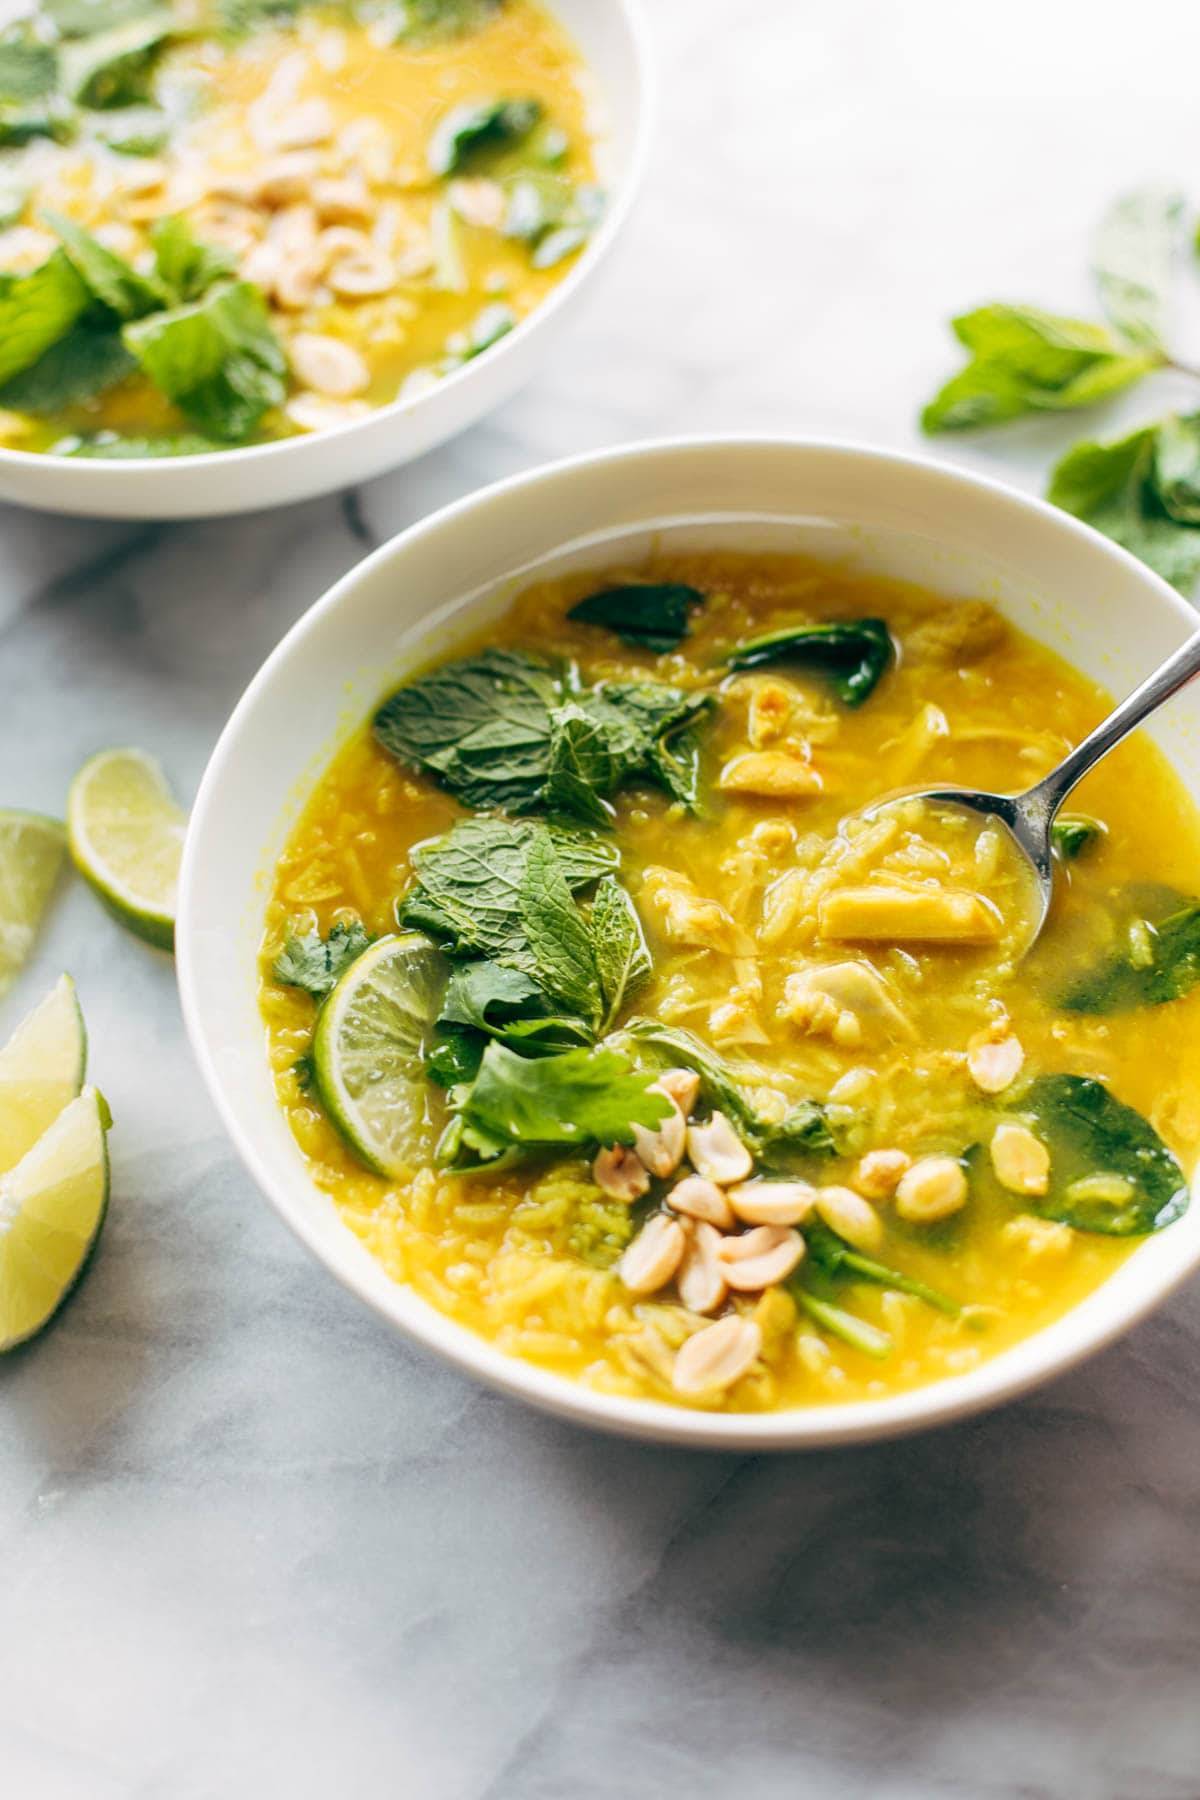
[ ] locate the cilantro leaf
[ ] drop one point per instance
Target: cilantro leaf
(618, 946)
(502, 1002)
(217, 358)
(36, 310)
(185, 267)
(115, 283)
(646, 615)
(475, 126)
(87, 361)
(1132, 256)
(580, 1098)
(1024, 360)
(314, 963)
(1143, 491)
(853, 652)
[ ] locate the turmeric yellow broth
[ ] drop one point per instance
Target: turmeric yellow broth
(382, 190)
(971, 1147)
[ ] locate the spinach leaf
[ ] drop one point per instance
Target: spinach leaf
(802, 1131)
(106, 446)
(473, 127)
(1132, 257)
(1073, 833)
(853, 652)
(185, 267)
(558, 940)
(1143, 491)
(87, 361)
(1091, 1135)
(36, 310)
(113, 67)
(858, 1333)
(619, 947)
(1158, 959)
(481, 726)
(115, 283)
(218, 359)
(833, 1256)
(648, 615)
(581, 1097)
(468, 884)
(314, 963)
(1024, 360)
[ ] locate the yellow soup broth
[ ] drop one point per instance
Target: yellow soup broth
(731, 902)
(303, 150)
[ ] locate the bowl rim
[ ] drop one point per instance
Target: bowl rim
(644, 94)
(1028, 1363)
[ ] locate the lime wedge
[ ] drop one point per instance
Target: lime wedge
(367, 1051)
(31, 855)
(52, 1206)
(41, 1071)
(126, 837)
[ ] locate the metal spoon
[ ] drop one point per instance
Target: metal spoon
(1028, 817)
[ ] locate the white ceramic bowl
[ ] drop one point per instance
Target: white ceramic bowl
(412, 599)
(612, 39)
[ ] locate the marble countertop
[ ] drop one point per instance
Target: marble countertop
(250, 1543)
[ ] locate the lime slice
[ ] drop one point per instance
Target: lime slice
(31, 855)
(52, 1206)
(126, 837)
(367, 1051)
(41, 1071)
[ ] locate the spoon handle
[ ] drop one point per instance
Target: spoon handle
(1166, 680)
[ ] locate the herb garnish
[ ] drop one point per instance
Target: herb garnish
(854, 653)
(468, 130)
(314, 963)
(647, 615)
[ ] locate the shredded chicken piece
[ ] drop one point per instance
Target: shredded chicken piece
(687, 917)
(959, 635)
(848, 1002)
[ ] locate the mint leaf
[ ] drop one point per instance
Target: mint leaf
(646, 615)
(501, 1002)
(1132, 257)
(185, 267)
(113, 67)
(1142, 492)
(1024, 360)
(106, 446)
(468, 885)
(618, 946)
(466, 130)
(558, 940)
(36, 310)
(854, 653)
(580, 1098)
(86, 362)
(218, 359)
(314, 963)
(113, 281)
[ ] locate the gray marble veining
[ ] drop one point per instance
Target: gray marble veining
(250, 1544)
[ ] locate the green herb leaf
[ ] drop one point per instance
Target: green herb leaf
(429, 21)
(1024, 360)
(186, 267)
(486, 329)
(48, 118)
(581, 1097)
(113, 67)
(474, 127)
(1073, 833)
(647, 615)
(28, 69)
(468, 885)
(854, 653)
(86, 362)
(835, 1257)
(314, 963)
(563, 963)
(84, 18)
(1158, 960)
(218, 359)
(498, 1001)
(619, 946)
(36, 310)
(110, 279)
(108, 446)
(134, 131)
(1091, 1134)
(455, 1057)
(858, 1333)
(1143, 491)
(1132, 257)
(481, 726)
